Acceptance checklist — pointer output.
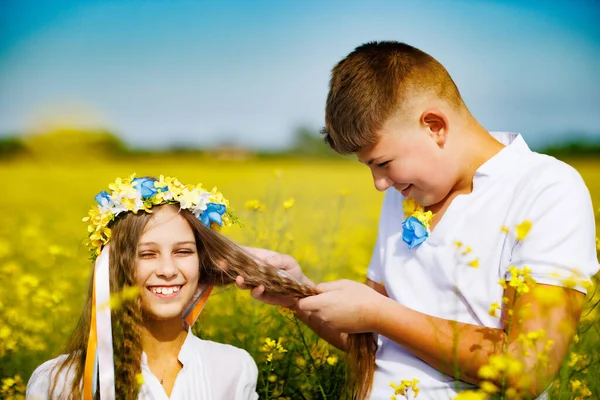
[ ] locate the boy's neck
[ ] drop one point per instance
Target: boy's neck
(162, 338)
(476, 146)
(473, 148)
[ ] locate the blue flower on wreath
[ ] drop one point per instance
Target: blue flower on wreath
(213, 213)
(146, 187)
(414, 232)
(102, 198)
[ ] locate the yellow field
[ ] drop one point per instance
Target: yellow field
(330, 229)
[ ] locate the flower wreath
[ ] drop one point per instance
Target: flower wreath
(141, 194)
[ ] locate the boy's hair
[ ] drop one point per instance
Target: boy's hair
(373, 83)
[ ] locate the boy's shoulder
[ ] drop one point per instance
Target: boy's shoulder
(539, 171)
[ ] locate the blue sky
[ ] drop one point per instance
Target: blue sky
(201, 72)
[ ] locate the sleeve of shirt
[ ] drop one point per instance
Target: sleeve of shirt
(375, 270)
(560, 248)
(246, 387)
(38, 386)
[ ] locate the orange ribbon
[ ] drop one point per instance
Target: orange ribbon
(90, 358)
(193, 314)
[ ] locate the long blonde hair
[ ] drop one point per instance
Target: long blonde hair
(213, 249)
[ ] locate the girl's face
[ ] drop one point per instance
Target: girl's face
(168, 267)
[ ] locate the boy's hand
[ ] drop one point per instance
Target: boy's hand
(285, 263)
(344, 305)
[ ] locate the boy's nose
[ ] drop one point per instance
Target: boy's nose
(382, 183)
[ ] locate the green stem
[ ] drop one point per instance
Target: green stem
(312, 361)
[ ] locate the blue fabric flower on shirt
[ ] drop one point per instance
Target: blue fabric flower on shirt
(213, 213)
(414, 232)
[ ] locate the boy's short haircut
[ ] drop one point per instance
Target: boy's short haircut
(372, 83)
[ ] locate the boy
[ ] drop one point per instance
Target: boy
(497, 208)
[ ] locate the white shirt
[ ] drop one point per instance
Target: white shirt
(211, 371)
(434, 278)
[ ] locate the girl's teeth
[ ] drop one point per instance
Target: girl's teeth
(166, 290)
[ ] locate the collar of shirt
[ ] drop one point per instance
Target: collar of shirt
(184, 353)
(514, 145)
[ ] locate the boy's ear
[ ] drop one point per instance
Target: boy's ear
(437, 125)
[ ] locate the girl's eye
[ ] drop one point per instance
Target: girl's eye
(185, 251)
(146, 255)
(383, 164)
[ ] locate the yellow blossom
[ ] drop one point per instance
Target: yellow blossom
(493, 308)
(255, 205)
(471, 395)
(489, 387)
(410, 206)
(573, 359)
(332, 360)
(289, 203)
(488, 372)
(403, 388)
(300, 361)
(424, 216)
(523, 229)
(474, 263)
(521, 279)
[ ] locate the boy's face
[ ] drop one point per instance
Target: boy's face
(409, 156)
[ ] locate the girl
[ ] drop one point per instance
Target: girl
(164, 257)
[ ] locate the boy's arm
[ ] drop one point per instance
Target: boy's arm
(455, 348)
(288, 264)
(378, 287)
(333, 336)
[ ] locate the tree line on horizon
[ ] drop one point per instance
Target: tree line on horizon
(306, 142)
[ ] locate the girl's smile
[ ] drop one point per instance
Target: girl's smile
(165, 292)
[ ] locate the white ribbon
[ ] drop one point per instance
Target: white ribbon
(105, 365)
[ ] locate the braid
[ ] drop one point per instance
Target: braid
(127, 319)
(127, 349)
(216, 249)
(361, 352)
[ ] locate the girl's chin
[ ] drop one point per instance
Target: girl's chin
(163, 313)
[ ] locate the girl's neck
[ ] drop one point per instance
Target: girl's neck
(162, 338)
